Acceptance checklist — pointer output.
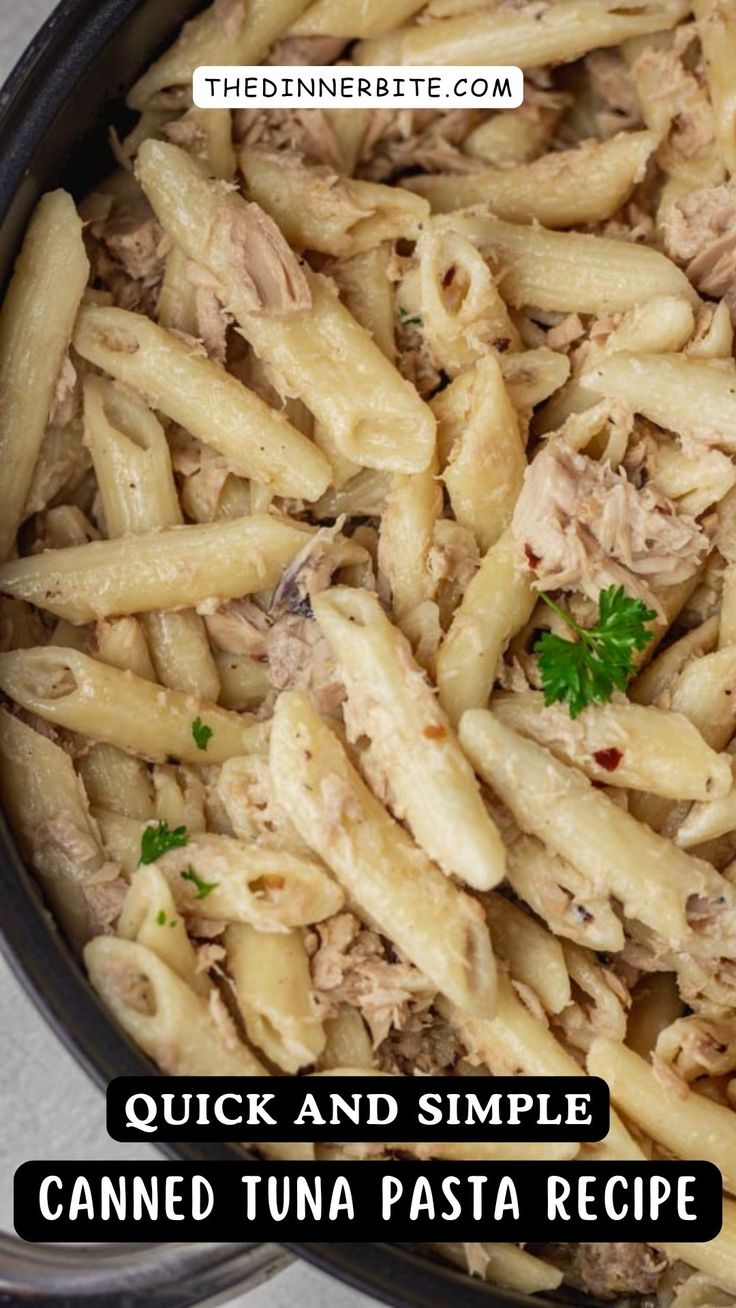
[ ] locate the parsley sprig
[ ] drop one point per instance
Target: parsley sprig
(156, 840)
(201, 733)
(204, 888)
(600, 659)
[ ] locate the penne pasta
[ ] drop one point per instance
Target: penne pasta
(347, 1042)
(660, 675)
(316, 209)
(366, 291)
(136, 481)
(354, 18)
(507, 1265)
(411, 510)
(708, 821)
(495, 606)
(170, 1022)
(703, 693)
(621, 744)
(586, 184)
(662, 387)
(449, 292)
(244, 681)
(717, 1257)
(568, 272)
(254, 440)
(270, 972)
(36, 324)
(576, 821)
(101, 702)
(436, 926)
(210, 39)
(149, 917)
(412, 746)
(686, 1123)
(117, 781)
(121, 642)
(481, 450)
(717, 31)
(565, 898)
(528, 37)
(46, 805)
(271, 890)
(179, 567)
(655, 1003)
(532, 954)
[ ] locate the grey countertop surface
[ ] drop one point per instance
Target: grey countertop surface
(48, 1106)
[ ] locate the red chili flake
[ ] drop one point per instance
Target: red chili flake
(608, 758)
(532, 559)
(435, 731)
(449, 276)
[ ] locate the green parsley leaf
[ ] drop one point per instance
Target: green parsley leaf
(600, 659)
(161, 917)
(202, 733)
(407, 318)
(157, 839)
(204, 888)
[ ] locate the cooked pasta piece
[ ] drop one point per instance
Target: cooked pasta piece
(347, 1042)
(178, 567)
(121, 642)
(717, 1257)
(254, 440)
(413, 505)
(268, 889)
(708, 820)
(449, 293)
(270, 972)
(436, 926)
(622, 744)
(351, 18)
(136, 480)
(183, 1033)
(687, 1124)
(496, 604)
(414, 753)
(316, 209)
(584, 185)
(45, 801)
(35, 329)
(532, 954)
(568, 272)
(222, 34)
(717, 32)
(663, 387)
(568, 901)
(481, 450)
(149, 916)
(530, 37)
(504, 1264)
(561, 807)
(704, 691)
(81, 694)
(117, 781)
